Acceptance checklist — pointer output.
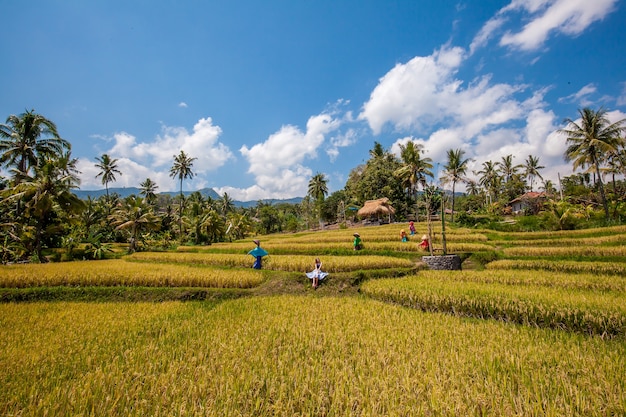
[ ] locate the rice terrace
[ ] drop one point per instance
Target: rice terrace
(530, 326)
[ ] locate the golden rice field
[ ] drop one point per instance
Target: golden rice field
(122, 273)
(290, 263)
(295, 356)
(521, 337)
(591, 311)
(610, 268)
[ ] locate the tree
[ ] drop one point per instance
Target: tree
(148, 190)
(318, 189)
(507, 168)
(455, 171)
(47, 201)
(590, 140)
(26, 140)
(531, 168)
(134, 216)
(108, 169)
(226, 204)
(489, 179)
(182, 169)
(413, 168)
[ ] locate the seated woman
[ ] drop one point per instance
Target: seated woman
(424, 244)
(317, 274)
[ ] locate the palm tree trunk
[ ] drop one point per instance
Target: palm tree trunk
(453, 189)
(602, 195)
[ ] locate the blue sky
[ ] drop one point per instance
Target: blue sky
(267, 94)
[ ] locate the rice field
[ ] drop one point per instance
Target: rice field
(536, 332)
(295, 356)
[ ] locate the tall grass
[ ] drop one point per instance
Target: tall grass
(290, 356)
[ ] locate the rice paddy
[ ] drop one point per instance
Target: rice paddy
(539, 331)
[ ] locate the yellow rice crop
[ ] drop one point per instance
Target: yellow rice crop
(582, 242)
(567, 251)
(277, 262)
(290, 356)
(317, 247)
(119, 272)
(583, 281)
(610, 268)
(586, 311)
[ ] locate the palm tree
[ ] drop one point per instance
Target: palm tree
(590, 140)
(182, 169)
(108, 169)
(507, 168)
(26, 140)
(414, 168)
(318, 189)
(47, 200)
(489, 178)
(226, 204)
(135, 216)
(455, 171)
(148, 190)
(532, 168)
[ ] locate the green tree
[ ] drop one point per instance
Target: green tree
(507, 168)
(318, 189)
(47, 200)
(26, 140)
(531, 169)
(135, 216)
(590, 141)
(489, 179)
(108, 169)
(455, 171)
(413, 168)
(148, 190)
(182, 170)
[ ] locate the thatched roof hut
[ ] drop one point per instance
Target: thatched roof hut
(376, 208)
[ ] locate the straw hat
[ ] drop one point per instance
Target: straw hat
(356, 234)
(257, 242)
(424, 237)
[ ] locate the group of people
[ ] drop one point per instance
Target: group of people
(316, 275)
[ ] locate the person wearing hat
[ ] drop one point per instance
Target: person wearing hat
(412, 227)
(403, 235)
(424, 244)
(357, 242)
(258, 254)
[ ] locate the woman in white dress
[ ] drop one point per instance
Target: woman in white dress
(317, 274)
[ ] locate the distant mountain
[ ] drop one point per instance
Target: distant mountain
(206, 192)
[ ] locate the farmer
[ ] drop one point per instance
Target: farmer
(258, 254)
(317, 274)
(358, 245)
(412, 227)
(424, 244)
(403, 235)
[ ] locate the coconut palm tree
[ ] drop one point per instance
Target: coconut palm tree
(226, 204)
(590, 140)
(318, 189)
(182, 169)
(47, 200)
(148, 190)
(108, 169)
(455, 171)
(489, 179)
(26, 140)
(531, 169)
(507, 168)
(414, 169)
(134, 216)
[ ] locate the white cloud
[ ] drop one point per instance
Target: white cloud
(410, 95)
(278, 163)
(183, 105)
(581, 96)
(568, 17)
(152, 159)
(486, 33)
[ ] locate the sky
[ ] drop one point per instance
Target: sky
(266, 94)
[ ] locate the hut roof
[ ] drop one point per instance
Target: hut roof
(375, 207)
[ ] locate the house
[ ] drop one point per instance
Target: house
(530, 202)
